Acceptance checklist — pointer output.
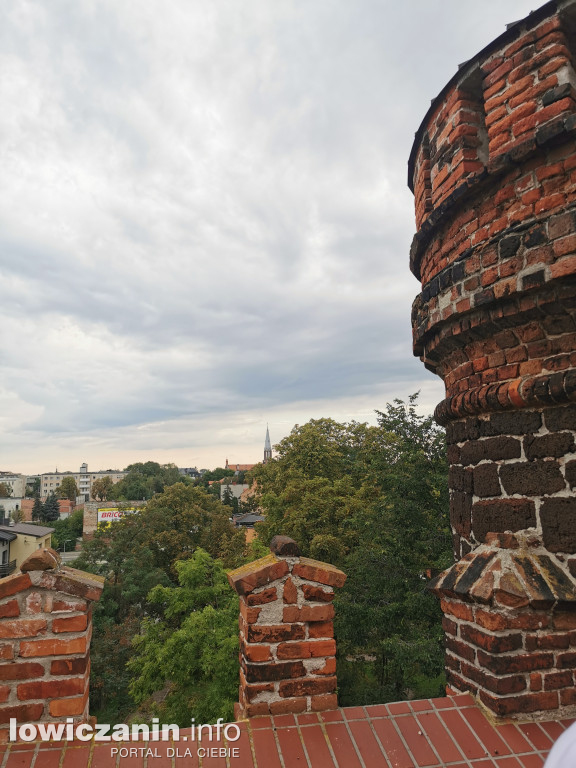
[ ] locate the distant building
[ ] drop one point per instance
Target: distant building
(235, 489)
(16, 483)
(19, 541)
(247, 467)
(49, 481)
(192, 472)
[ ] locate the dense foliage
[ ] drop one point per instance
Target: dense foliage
(67, 530)
(374, 501)
(142, 551)
(142, 481)
(370, 499)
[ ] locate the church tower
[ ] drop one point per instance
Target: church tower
(267, 447)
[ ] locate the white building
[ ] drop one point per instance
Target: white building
(49, 481)
(16, 483)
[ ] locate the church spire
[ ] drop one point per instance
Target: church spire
(267, 446)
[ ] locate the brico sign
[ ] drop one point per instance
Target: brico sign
(112, 514)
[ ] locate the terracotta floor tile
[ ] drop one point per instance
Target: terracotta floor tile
(508, 762)
(354, 713)
(131, 760)
(207, 762)
(331, 716)
(283, 721)
(485, 732)
(102, 758)
(532, 761)
(366, 743)
(553, 729)
(260, 722)
(342, 746)
(291, 747)
(308, 718)
(462, 734)
(392, 743)
(245, 759)
(317, 747)
(266, 749)
(377, 710)
(48, 758)
(421, 706)
(444, 745)
(417, 741)
(513, 736)
(19, 758)
(463, 700)
(78, 756)
(443, 703)
(399, 708)
(482, 764)
(539, 738)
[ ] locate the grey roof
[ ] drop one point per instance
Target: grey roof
(248, 518)
(28, 529)
(267, 445)
(6, 536)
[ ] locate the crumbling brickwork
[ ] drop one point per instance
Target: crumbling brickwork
(493, 170)
(287, 646)
(45, 631)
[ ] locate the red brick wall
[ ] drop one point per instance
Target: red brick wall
(287, 647)
(493, 170)
(45, 631)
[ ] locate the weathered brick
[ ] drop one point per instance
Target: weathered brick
(74, 666)
(22, 628)
(276, 670)
(492, 643)
(21, 671)
(274, 633)
(289, 593)
(558, 516)
(508, 665)
(316, 594)
(308, 613)
(264, 596)
(502, 515)
(307, 687)
(533, 478)
(9, 609)
(49, 689)
(318, 629)
(25, 713)
(70, 624)
(30, 648)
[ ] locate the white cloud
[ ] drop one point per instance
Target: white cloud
(205, 221)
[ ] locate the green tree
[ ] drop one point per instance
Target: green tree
(50, 509)
(67, 530)
(217, 474)
(189, 645)
(33, 488)
(143, 480)
(5, 490)
(37, 508)
(67, 489)
(373, 500)
(17, 516)
(101, 488)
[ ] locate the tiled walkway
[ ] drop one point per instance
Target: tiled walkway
(429, 733)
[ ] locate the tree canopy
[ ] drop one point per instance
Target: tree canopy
(5, 490)
(143, 480)
(372, 500)
(68, 489)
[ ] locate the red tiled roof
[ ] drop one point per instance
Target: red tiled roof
(450, 732)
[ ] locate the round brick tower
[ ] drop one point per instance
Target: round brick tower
(493, 171)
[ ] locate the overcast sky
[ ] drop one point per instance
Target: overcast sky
(204, 218)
